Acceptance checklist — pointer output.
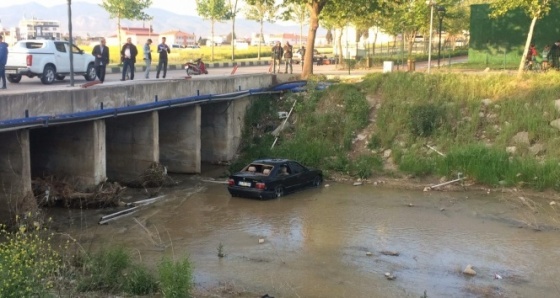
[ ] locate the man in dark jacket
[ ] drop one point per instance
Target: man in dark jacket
(288, 54)
(277, 53)
(555, 55)
(101, 54)
(3, 61)
(128, 56)
(163, 50)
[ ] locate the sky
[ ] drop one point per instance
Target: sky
(187, 7)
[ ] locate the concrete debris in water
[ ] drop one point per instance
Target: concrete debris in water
(497, 276)
(358, 183)
(552, 203)
(469, 270)
(390, 253)
(390, 276)
(369, 254)
(261, 240)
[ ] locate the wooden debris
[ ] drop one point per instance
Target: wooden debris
(390, 253)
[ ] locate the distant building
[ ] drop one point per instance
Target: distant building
(353, 47)
(270, 39)
(176, 37)
(39, 29)
(138, 36)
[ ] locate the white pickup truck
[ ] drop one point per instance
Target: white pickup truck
(48, 60)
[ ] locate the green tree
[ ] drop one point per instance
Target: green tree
(298, 13)
(535, 9)
(260, 11)
(126, 10)
(215, 11)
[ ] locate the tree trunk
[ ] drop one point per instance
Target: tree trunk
(119, 31)
(212, 41)
(339, 44)
(233, 39)
(300, 34)
(314, 11)
(527, 44)
(260, 39)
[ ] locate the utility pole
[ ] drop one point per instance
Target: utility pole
(71, 43)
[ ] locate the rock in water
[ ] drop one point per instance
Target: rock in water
(469, 270)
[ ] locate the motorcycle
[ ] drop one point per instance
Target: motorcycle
(196, 68)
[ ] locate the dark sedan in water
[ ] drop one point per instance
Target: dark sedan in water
(272, 178)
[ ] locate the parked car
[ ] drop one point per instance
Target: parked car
(48, 60)
(296, 57)
(272, 178)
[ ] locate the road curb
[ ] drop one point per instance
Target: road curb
(141, 68)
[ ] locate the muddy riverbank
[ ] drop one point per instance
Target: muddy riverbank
(331, 242)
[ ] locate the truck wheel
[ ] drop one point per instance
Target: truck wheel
(60, 77)
(90, 74)
(14, 78)
(49, 74)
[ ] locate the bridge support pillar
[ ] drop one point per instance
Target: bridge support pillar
(15, 175)
(132, 145)
(74, 151)
(179, 139)
(221, 128)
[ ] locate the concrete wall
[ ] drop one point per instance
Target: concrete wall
(69, 100)
(15, 174)
(221, 128)
(74, 151)
(132, 145)
(179, 139)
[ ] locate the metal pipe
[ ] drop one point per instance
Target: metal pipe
(431, 3)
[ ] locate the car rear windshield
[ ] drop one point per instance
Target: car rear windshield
(257, 168)
(32, 45)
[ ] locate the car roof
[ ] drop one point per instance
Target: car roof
(273, 161)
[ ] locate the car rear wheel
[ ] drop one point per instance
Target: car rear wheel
(279, 191)
(49, 74)
(14, 78)
(317, 181)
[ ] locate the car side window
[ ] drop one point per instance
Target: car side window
(60, 47)
(296, 167)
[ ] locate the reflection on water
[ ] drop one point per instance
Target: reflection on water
(316, 243)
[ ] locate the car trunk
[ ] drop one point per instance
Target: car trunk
(248, 180)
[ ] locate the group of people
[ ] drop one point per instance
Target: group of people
(286, 52)
(550, 56)
(128, 58)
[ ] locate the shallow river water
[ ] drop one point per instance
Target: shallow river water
(316, 242)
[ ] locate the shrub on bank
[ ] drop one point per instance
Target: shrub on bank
(28, 262)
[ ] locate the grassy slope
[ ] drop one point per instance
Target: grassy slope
(447, 111)
(471, 118)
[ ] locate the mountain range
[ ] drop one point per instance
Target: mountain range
(91, 19)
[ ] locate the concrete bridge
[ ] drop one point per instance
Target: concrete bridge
(116, 132)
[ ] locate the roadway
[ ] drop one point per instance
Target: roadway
(34, 84)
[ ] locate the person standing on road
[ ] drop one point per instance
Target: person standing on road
(163, 50)
(288, 54)
(148, 57)
(128, 56)
(101, 54)
(3, 60)
(277, 52)
(555, 54)
(301, 52)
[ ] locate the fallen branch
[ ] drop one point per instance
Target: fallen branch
(459, 178)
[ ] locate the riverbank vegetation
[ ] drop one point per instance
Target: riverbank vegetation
(36, 262)
(497, 130)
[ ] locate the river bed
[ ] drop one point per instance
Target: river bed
(317, 242)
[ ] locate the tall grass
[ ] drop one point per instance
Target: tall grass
(472, 118)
